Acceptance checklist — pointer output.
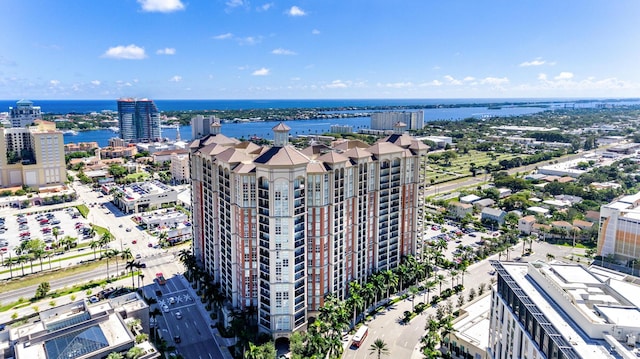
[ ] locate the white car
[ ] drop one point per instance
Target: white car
(178, 315)
(165, 308)
(172, 300)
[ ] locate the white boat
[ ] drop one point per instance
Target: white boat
(115, 129)
(70, 132)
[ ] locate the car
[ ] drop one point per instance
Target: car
(120, 226)
(143, 265)
(172, 300)
(158, 293)
(2, 326)
(165, 308)
(94, 299)
(150, 245)
(128, 229)
(177, 339)
(134, 241)
(178, 315)
(138, 256)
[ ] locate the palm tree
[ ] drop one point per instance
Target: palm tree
(115, 355)
(94, 245)
(131, 265)
(105, 239)
(140, 278)
(413, 290)
(440, 279)
(390, 279)
(403, 272)
(56, 232)
(379, 347)
(446, 329)
(428, 286)
(115, 254)
(355, 298)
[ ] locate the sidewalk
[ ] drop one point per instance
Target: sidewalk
(222, 343)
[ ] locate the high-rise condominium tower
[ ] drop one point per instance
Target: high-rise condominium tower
(24, 114)
(139, 120)
(280, 228)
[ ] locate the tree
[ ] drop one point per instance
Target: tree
(42, 290)
(115, 355)
(94, 245)
(131, 265)
(135, 353)
(379, 347)
(414, 291)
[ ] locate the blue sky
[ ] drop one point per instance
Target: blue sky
(315, 49)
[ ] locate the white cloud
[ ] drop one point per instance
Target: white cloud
(315, 32)
(337, 84)
(564, 76)
(494, 81)
(161, 5)
(452, 80)
(281, 51)
(397, 85)
(228, 35)
(54, 83)
(295, 79)
(234, 3)
(469, 78)
(261, 72)
(131, 52)
(538, 61)
(296, 11)
(265, 7)
(166, 51)
(542, 77)
(176, 78)
(250, 40)
(95, 82)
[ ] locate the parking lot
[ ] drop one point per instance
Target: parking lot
(454, 236)
(44, 225)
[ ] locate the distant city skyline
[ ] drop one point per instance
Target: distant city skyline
(240, 49)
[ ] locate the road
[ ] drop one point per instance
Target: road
(404, 340)
(191, 325)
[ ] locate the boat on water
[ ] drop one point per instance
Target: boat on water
(170, 126)
(69, 133)
(115, 129)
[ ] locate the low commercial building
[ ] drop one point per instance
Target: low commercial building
(163, 219)
(493, 214)
(83, 330)
(80, 147)
(460, 210)
(142, 196)
(552, 310)
(470, 338)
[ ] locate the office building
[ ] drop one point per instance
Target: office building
(144, 196)
(24, 114)
(553, 310)
(619, 233)
(139, 120)
(83, 330)
(387, 120)
(280, 228)
(32, 156)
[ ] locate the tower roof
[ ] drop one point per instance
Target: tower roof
(281, 127)
(282, 156)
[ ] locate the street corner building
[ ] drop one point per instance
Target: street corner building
(281, 227)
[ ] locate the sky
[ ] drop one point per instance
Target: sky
(319, 49)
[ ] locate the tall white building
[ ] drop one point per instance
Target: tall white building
(180, 168)
(24, 114)
(201, 125)
(620, 229)
(280, 228)
(542, 310)
(387, 120)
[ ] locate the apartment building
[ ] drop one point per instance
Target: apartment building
(388, 119)
(139, 120)
(32, 156)
(279, 227)
(619, 233)
(24, 114)
(556, 310)
(180, 168)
